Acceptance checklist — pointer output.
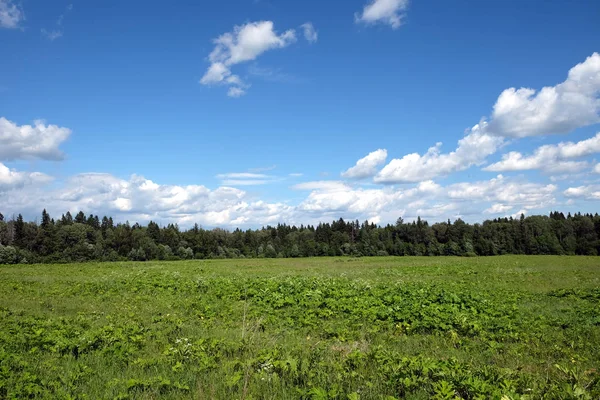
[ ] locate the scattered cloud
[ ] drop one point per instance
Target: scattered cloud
(236, 92)
(366, 166)
(390, 12)
(52, 35)
(31, 141)
(517, 113)
(11, 15)
(597, 168)
(550, 158)
(310, 34)
(244, 44)
(590, 192)
(472, 149)
(556, 109)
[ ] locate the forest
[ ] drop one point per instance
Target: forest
(89, 238)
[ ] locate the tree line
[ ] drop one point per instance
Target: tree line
(89, 238)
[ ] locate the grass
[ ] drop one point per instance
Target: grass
(325, 328)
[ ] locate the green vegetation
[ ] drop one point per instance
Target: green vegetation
(87, 238)
(510, 327)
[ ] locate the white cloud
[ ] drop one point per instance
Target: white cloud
(11, 179)
(245, 43)
(517, 113)
(216, 73)
(590, 192)
(245, 179)
(140, 199)
(498, 208)
(235, 92)
(296, 174)
(10, 14)
(340, 199)
(366, 166)
(436, 210)
(122, 204)
(514, 193)
(554, 109)
(322, 185)
(332, 199)
(52, 35)
(597, 168)
(241, 175)
(472, 150)
(389, 12)
(31, 141)
(310, 34)
(550, 158)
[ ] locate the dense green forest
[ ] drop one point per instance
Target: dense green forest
(86, 238)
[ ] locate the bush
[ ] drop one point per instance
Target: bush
(8, 255)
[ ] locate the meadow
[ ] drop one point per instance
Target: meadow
(506, 327)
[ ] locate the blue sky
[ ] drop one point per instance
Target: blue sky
(246, 113)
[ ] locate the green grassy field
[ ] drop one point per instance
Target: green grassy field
(510, 327)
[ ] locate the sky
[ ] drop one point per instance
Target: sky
(247, 113)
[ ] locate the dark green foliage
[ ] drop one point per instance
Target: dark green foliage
(87, 238)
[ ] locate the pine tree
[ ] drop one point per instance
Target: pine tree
(80, 218)
(20, 232)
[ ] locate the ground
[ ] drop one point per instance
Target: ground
(505, 327)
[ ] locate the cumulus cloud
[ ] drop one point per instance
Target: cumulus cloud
(389, 12)
(517, 113)
(550, 158)
(554, 109)
(11, 179)
(335, 198)
(245, 43)
(310, 34)
(472, 149)
(10, 14)
(140, 199)
(514, 193)
(31, 141)
(366, 166)
(426, 199)
(589, 192)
